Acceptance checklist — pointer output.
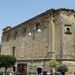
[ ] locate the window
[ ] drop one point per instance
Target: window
(24, 31)
(68, 30)
(15, 34)
(8, 37)
(36, 26)
(13, 51)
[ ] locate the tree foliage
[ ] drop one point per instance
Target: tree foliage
(7, 60)
(62, 68)
(53, 63)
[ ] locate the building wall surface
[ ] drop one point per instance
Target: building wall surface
(56, 39)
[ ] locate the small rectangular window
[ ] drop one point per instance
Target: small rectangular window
(8, 37)
(68, 29)
(24, 31)
(13, 51)
(15, 35)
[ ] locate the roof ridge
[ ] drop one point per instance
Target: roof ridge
(52, 10)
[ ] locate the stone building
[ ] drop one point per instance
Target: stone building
(46, 36)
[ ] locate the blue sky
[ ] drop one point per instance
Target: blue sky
(13, 12)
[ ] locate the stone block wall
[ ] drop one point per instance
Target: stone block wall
(56, 39)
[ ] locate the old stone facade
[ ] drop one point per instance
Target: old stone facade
(44, 37)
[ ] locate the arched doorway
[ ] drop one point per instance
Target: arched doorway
(39, 70)
(22, 69)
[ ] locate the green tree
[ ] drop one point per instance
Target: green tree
(7, 61)
(53, 64)
(62, 68)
